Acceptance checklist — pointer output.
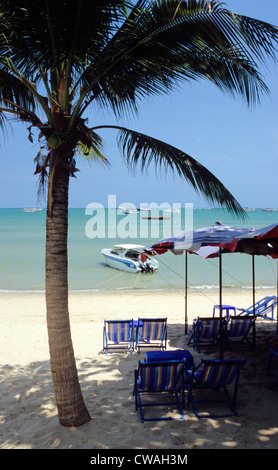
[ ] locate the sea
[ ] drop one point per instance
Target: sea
(22, 251)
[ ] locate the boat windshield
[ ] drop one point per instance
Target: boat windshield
(116, 251)
(133, 254)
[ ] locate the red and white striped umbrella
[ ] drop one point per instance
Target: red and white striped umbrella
(207, 241)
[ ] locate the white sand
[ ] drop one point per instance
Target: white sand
(28, 416)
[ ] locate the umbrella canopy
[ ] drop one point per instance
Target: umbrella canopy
(216, 239)
(207, 241)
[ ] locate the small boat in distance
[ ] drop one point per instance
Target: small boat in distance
(172, 210)
(126, 210)
(31, 209)
(130, 211)
(130, 258)
(156, 217)
(269, 209)
(146, 209)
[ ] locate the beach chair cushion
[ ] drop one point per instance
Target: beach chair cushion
(173, 355)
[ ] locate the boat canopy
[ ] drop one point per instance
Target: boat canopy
(128, 246)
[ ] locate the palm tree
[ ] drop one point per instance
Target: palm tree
(60, 58)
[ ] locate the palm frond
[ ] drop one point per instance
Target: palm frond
(13, 90)
(37, 40)
(90, 147)
(44, 30)
(143, 150)
(166, 41)
(115, 53)
(121, 52)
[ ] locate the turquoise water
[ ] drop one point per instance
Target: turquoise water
(22, 243)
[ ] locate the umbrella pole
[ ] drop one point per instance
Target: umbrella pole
(185, 298)
(220, 305)
(253, 282)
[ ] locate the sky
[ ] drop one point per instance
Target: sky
(238, 144)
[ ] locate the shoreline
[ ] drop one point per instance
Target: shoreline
(191, 288)
(229, 295)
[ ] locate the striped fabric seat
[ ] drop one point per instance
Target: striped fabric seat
(215, 375)
(152, 330)
(118, 334)
(151, 377)
(205, 331)
(240, 328)
(208, 328)
(157, 378)
(118, 331)
(151, 333)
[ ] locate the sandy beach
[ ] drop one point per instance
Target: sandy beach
(28, 412)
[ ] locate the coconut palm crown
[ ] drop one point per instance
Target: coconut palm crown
(63, 59)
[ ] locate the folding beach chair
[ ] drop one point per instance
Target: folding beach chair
(210, 376)
(263, 308)
(241, 330)
(151, 333)
(205, 331)
(156, 378)
(118, 334)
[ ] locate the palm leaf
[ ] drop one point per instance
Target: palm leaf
(115, 53)
(12, 89)
(90, 147)
(166, 41)
(37, 40)
(143, 150)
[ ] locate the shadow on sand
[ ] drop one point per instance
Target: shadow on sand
(29, 418)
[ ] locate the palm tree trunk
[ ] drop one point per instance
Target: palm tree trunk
(71, 407)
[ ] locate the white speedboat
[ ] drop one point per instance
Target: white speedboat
(127, 257)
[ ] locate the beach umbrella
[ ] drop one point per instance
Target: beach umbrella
(228, 238)
(212, 241)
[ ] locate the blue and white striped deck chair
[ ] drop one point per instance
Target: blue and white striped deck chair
(157, 379)
(241, 330)
(209, 377)
(118, 334)
(151, 333)
(263, 308)
(205, 331)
